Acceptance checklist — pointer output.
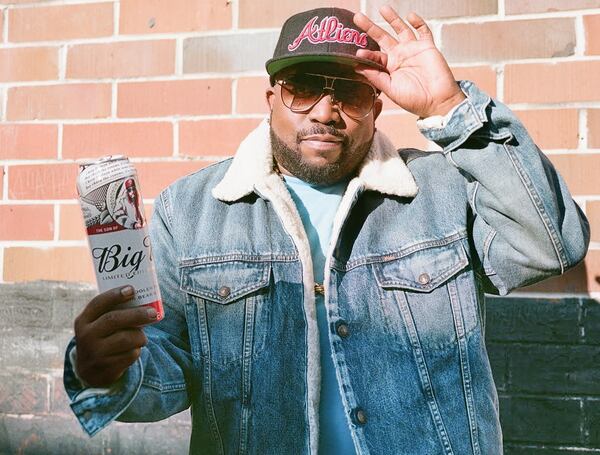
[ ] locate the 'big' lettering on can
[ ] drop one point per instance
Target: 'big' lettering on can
(111, 202)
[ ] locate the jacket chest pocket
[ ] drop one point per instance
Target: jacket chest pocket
(425, 297)
(232, 304)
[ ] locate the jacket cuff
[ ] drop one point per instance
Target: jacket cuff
(95, 408)
(466, 118)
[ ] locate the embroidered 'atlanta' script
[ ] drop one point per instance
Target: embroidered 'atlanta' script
(329, 30)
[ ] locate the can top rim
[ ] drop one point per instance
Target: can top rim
(104, 159)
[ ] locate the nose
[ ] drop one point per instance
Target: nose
(326, 111)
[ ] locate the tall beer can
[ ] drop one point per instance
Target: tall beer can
(117, 231)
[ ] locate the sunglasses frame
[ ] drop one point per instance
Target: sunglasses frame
(330, 90)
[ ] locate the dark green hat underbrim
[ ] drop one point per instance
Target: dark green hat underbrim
(275, 65)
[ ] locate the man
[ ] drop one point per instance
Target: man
(323, 293)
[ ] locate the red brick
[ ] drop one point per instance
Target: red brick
(124, 59)
(28, 64)
(552, 83)
(546, 6)
(155, 177)
(593, 123)
(434, 8)
(507, 40)
(402, 130)
(42, 181)
(145, 139)
(592, 211)
(580, 171)
(26, 222)
(58, 263)
(251, 95)
(157, 16)
(20, 141)
(279, 11)
(72, 226)
(552, 128)
(160, 99)
(61, 22)
(592, 34)
(483, 76)
(199, 138)
(82, 101)
(2, 181)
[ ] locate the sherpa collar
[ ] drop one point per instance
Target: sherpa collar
(382, 170)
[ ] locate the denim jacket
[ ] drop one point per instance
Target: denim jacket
(417, 240)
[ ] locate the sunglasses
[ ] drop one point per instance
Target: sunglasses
(301, 92)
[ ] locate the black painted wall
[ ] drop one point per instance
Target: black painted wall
(545, 355)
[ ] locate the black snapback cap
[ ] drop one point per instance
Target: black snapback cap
(321, 35)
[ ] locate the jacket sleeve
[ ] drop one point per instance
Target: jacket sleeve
(525, 225)
(158, 384)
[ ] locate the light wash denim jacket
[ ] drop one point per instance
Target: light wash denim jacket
(417, 240)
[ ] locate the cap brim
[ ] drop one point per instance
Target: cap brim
(275, 65)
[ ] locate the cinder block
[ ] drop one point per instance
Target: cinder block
(565, 370)
(541, 419)
(49, 435)
(532, 319)
(23, 393)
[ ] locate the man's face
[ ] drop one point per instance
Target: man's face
(323, 145)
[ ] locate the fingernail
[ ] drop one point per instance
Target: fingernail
(127, 291)
(151, 313)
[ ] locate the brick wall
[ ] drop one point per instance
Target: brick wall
(176, 84)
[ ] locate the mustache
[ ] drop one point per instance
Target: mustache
(322, 129)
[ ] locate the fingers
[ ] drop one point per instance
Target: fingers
(120, 342)
(383, 38)
(105, 302)
(375, 56)
(380, 79)
(391, 16)
(115, 320)
(420, 26)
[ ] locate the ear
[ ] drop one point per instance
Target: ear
(377, 108)
(270, 97)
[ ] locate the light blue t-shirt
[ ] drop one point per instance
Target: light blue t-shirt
(317, 205)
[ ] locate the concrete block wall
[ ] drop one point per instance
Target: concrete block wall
(544, 354)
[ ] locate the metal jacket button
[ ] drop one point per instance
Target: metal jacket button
(224, 291)
(342, 329)
(319, 289)
(424, 278)
(360, 417)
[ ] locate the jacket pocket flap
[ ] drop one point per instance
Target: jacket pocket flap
(225, 282)
(423, 270)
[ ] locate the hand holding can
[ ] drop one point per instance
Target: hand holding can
(109, 340)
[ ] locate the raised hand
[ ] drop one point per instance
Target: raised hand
(418, 77)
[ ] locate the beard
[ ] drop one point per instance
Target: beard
(292, 160)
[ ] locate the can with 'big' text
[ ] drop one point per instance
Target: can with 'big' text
(117, 231)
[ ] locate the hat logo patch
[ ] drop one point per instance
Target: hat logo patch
(331, 30)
